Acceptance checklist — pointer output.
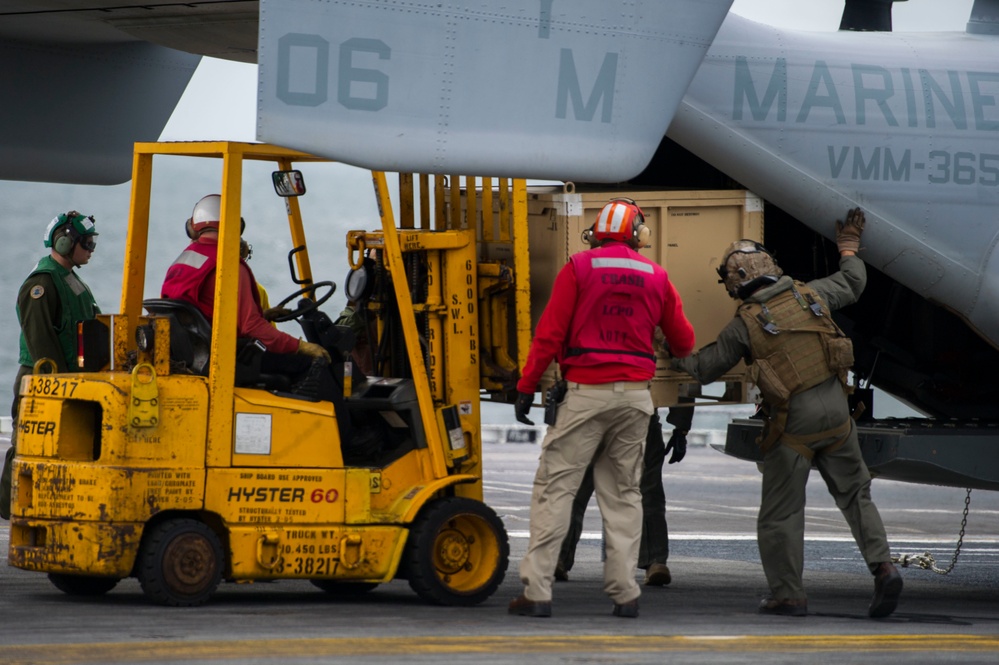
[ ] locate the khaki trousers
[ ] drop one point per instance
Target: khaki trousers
(781, 523)
(607, 427)
(654, 546)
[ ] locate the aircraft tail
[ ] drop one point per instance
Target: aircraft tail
(526, 88)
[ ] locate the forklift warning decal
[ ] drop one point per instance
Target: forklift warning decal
(253, 433)
(175, 487)
(181, 403)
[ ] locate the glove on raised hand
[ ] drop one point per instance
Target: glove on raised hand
(523, 406)
(848, 233)
(313, 350)
(678, 444)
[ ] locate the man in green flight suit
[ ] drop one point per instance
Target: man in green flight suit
(49, 304)
(800, 358)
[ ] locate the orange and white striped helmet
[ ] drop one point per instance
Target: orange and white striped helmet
(621, 220)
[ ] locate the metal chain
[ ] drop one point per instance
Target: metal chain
(926, 560)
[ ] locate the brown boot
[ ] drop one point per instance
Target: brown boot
(788, 607)
(524, 606)
(657, 575)
(887, 589)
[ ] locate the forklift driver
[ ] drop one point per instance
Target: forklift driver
(191, 277)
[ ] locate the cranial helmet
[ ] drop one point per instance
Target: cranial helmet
(65, 230)
(622, 220)
(747, 266)
(206, 215)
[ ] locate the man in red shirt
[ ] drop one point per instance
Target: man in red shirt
(599, 325)
(192, 278)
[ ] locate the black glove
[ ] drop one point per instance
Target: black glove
(678, 444)
(523, 406)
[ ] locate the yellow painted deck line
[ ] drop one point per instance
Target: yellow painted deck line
(64, 654)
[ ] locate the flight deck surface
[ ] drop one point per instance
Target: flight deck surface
(706, 615)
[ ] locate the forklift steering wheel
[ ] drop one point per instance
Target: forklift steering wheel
(309, 305)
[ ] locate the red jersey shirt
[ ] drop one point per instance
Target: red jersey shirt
(565, 317)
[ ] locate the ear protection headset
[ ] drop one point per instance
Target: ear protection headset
(640, 232)
(637, 237)
(65, 240)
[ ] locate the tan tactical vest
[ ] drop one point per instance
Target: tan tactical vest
(795, 346)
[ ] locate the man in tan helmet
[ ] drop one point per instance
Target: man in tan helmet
(800, 359)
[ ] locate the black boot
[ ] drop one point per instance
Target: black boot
(887, 589)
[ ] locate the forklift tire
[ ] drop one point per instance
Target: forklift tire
(82, 585)
(457, 552)
(180, 563)
(344, 589)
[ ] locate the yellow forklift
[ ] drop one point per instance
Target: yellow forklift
(170, 457)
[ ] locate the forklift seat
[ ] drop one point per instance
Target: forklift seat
(191, 340)
(190, 332)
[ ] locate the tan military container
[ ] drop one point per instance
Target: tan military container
(690, 231)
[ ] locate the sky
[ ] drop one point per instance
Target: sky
(220, 104)
(824, 15)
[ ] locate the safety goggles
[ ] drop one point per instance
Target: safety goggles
(88, 243)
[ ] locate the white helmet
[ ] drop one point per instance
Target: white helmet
(206, 215)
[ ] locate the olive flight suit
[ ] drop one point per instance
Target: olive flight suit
(820, 408)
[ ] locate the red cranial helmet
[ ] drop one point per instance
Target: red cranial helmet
(621, 220)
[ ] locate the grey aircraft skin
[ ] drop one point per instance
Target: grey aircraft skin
(665, 93)
(903, 125)
(80, 89)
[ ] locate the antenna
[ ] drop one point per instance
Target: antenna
(984, 18)
(867, 15)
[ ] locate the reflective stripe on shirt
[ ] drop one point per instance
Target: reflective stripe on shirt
(618, 262)
(193, 259)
